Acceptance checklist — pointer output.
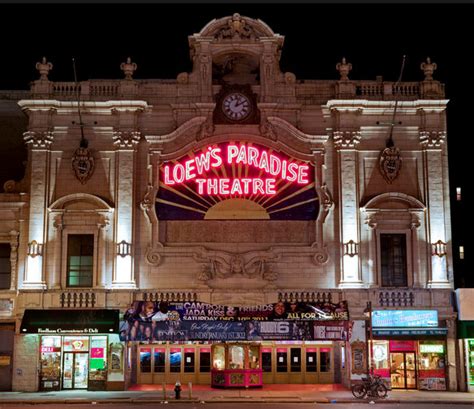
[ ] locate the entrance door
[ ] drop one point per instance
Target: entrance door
(75, 370)
(403, 370)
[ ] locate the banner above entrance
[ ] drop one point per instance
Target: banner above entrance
(234, 331)
(148, 311)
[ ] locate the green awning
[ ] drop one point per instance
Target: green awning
(65, 321)
(465, 329)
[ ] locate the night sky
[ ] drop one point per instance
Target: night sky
(373, 37)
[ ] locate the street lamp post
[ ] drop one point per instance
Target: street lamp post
(369, 338)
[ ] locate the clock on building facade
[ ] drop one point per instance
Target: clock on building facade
(236, 104)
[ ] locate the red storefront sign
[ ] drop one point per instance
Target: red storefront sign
(402, 346)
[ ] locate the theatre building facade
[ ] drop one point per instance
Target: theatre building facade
(233, 226)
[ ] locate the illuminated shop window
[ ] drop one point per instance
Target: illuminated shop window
(219, 357)
(80, 255)
(5, 268)
(458, 194)
(461, 252)
(393, 256)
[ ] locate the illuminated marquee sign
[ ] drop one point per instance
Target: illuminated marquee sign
(205, 183)
(198, 167)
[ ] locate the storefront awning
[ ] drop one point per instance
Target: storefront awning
(410, 332)
(70, 322)
(465, 329)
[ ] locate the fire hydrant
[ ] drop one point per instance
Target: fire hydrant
(177, 390)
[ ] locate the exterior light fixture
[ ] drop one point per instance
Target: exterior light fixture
(35, 249)
(439, 248)
(351, 248)
(124, 249)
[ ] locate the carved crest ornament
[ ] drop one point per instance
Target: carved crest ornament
(390, 162)
(83, 163)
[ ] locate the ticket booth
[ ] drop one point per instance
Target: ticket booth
(236, 365)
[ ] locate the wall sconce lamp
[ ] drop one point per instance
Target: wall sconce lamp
(439, 248)
(35, 249)
(124, 249)
(351, 248)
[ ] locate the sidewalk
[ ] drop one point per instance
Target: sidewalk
(203, 393)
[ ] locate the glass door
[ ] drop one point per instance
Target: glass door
(403, 370)
(75, 370)
(81, 370)
(68, 365)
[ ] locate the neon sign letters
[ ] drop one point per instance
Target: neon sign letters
(214, 157)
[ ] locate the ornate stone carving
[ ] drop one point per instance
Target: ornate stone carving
(346, 139)
(432, 139)
(128, 68)
(415, 222)
(153, 255)
(234, 265)
(325, 197)
(38, 140)
(267, 130)
(126, 139)
(321, 256)
(290, 78)
(237, 28)
(371, 221)
(390, 162)
(12, 186)
(206, 129)
(182, 78)
(147, 203)
(343, 67)
(44, 67)
(83, 164)
(428, 68)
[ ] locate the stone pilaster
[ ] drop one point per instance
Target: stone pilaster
(432, 143)
(126, 143)
(346, 142)
(39, 142)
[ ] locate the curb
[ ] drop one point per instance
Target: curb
(220, 401)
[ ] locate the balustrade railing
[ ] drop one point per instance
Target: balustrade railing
(77, 299)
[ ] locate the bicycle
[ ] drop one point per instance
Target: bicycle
(373, 386)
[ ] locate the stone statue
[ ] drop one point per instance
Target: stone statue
(344, 69)
(128, 68)
(428, 68)
(44, 67)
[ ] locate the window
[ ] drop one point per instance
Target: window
(461, 252)
(5, 267)
(295, 365)
(80, 254)
(393, 256)
(458, 194)
(267, 361)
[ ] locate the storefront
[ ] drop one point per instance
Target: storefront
(408, 349)
(273, 343)
(80, 354)
(465, 332)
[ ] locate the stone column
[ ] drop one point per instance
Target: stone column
(346, 142)
(126, 143)
(102, 227)
(432, 142)
(40, 142)
(451, 355)
(371, 223)
(56, 263)
(13, 258)
(415, 263)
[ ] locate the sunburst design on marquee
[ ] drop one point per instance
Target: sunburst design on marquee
(292, 201)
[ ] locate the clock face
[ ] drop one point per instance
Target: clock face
(236, 106)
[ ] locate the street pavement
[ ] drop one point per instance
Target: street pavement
(202, 393)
